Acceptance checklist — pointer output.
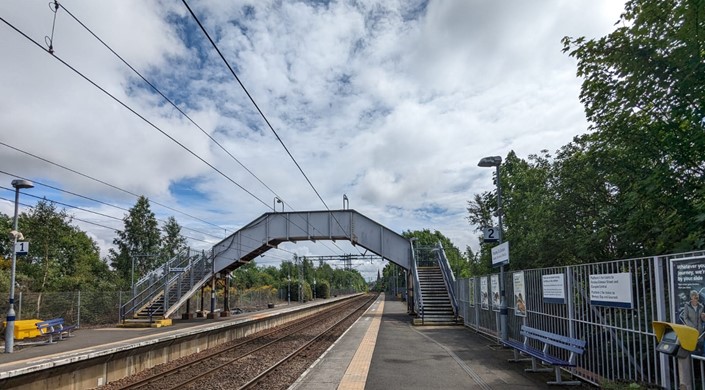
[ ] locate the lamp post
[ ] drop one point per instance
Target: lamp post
(10, 328)
(346, 202)
(274, 205)
(487, 162)
(288, 289)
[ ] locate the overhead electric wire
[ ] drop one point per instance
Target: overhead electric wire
(135, 112)
(181, 111)
(131, 110)
(264, 117)
(87, 211)
(72, 217)
(108, 184)
(169, 101)
(253, 102)
(99, 201)
(156, 128)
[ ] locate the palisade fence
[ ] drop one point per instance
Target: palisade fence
(621, 344)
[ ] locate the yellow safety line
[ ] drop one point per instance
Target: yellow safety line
(356, 374)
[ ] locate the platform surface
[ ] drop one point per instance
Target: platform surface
(417, 357)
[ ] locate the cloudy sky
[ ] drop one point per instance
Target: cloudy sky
(392, 103)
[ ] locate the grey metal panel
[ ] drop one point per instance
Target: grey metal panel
(270, 229)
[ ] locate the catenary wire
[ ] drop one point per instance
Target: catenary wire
(98, 201)
(178, 109)
(264, 117)
(82, 209)
(119, 219)
(136, 114)
(184, 114)
(171, 102)
(253, 102)
(144, 119)
(107, 184)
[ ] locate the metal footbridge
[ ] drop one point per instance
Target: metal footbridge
(163, 291)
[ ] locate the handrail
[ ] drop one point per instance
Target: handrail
(448, 277)
(157, 280)
(418, 298)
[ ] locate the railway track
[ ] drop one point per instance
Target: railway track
(265, 360)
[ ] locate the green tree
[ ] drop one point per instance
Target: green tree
(172, 242)
(61, 257)
(426, 240)
(643, 90)
(138, 242)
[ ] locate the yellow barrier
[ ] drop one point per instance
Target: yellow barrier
(25, 329)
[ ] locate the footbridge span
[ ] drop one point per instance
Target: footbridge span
(164, 290)
(271, 229)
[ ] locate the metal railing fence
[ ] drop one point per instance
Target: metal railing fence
(621, 344)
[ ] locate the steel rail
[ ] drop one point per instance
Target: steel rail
(289, 329)
(262, 375)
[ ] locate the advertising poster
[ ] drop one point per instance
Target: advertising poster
(688, 292)
(553, 287)
(484, 293)
(519, 294)
(471, 291)
(494, 288)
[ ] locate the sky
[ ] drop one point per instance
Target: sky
(390, 103)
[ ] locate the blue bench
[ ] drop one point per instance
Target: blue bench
(546, 340)
(54, 327)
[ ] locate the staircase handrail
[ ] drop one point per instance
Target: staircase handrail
(157, 273)
(448, 277)
(418, 298)
(198, 281)
(183, 261)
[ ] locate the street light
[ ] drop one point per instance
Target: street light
(274, 205)
(487, 162)
(10, 328)
(346, 202)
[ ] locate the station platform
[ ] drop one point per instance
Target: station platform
(382, 350)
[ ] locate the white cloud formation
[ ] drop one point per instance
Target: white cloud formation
(390, 102)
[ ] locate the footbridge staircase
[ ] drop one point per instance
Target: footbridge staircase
(435, 299)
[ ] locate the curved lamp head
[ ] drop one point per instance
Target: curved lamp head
(20, 183)
(493, 161)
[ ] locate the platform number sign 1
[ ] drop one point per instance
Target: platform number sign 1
(491, 234)
(21, 248)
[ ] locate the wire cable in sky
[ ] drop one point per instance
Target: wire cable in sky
(100, 201)
(85, 210)
(107, 184)
(170, 102)
(194, 154)
(146, 121)
(253, 102)
(264, 117)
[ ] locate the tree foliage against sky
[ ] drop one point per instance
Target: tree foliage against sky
(61, 257)
(634, 185)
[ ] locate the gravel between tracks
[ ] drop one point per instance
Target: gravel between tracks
(237, 373)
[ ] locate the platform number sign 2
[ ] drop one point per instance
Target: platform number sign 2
(491, 234)
(21, 248)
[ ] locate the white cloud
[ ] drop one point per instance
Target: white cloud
(390, 102)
